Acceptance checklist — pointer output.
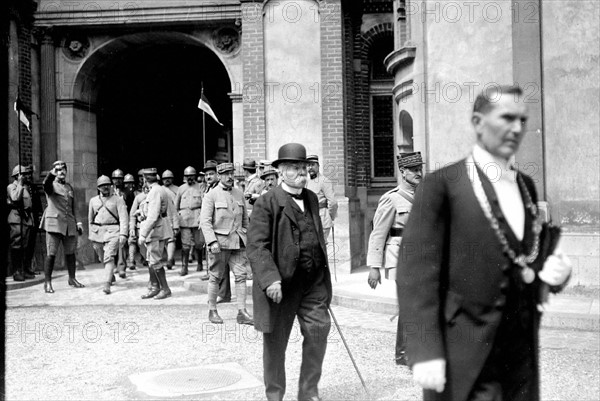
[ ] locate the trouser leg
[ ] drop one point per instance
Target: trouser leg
(48, 269)
(224, 292)
(16, 256)
(185, 260)
(274, 347)
(72, 267)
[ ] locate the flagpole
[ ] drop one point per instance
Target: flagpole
(203, 125)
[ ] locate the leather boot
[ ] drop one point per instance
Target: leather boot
(106, 288)
(199, 257)
(71, 267)
(121, 270)
(213, 317)
(16, 257)
(154, 285)
(165, 291)
(185, 260)
(48, 269)
(244, 317)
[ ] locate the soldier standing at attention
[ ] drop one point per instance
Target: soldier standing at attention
(224, 222)
(155, 230)
(167, 179)
(188, 203)
(20, 221)
(59, 222)
(108, 222)
(389, 221)
(323, 187)
(254, 185)
(212, 180)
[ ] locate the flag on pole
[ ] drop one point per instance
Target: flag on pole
(205, 107)
(20, 109)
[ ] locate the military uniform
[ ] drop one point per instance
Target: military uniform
(328, 206)
(107, 221)
(155, 230)
(188, 203)
(224, 220)
(60, 225)
(20, 222)
(134, 226)
(388, 223)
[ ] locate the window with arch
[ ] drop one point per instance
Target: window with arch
(405, 123)
(382, 109)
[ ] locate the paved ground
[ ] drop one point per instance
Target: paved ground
(82, 344)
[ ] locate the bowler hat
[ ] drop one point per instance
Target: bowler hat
(249, 164)
(409, 159)
(269, 170)
(210, 165)
(225, 167)
(290, 152)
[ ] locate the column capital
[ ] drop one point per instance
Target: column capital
(44, 34)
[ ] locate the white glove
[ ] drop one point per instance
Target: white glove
(431, 375)
(556, 268)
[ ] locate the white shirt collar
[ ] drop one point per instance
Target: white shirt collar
(494, 167)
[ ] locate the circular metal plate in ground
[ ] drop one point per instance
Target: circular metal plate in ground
(196, 380)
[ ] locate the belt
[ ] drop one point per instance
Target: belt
(107, 224)
(396, 232)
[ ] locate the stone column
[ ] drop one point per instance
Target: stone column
(237, 113)
(48, 101)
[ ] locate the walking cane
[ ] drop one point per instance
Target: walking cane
(337, 326)
(334, 262)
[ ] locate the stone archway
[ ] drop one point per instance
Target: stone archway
(137, 97)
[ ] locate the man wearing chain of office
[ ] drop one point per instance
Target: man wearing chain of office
(475, 264)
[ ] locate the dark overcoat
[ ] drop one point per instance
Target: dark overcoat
(273, 249)
(453, 278)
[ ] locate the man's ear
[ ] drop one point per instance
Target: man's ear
(477, 120)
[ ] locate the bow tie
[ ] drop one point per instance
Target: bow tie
(227, 188)
(296, 196)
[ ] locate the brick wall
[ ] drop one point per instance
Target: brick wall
(349, 95)
(24, 34)
(332, 91)
(255, 144)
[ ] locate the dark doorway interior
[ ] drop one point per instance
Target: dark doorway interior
(148, 114)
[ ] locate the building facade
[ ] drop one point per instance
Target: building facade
(116, 84)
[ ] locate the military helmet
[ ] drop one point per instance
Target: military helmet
(189, 171)
(118, 173)
(103, 180)
(21, 170)
(167, 174)
(129, 178)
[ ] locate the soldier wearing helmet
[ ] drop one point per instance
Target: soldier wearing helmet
(20, 222)
(167, 179)
(188, 203)
(119, 190)
(108, 222)
(134, 227)
(60, 224)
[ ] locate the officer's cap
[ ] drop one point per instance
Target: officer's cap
(59, 164)
(409, 159)
(210, 165)
(225, 167)
(269, 170)
(149, 171)
(312, 159)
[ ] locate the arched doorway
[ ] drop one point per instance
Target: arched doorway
(144, 91)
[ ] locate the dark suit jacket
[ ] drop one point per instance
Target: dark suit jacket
(452, 277)
(273, 249)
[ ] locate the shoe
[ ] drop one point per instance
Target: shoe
(313, 398)
(184, 271)
(18, 276)
(28, 274)
(154, 286)
(132, 267)
(402, 359)
(48, 287)
(244, 317)
(74, 283)
(165, 291)
(170, 264)
(122, 275)
(204, 278)
(213, 317)
(162, 294)
(113, 280)
(106, 288)
(223, 300)
(145, 263)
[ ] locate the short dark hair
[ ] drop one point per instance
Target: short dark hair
(486, 99)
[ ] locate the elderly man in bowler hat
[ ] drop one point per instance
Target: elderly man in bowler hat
(287, 252)
(224, 222)
(388, 224)
(60, 224)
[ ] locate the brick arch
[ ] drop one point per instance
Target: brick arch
(374, 34)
